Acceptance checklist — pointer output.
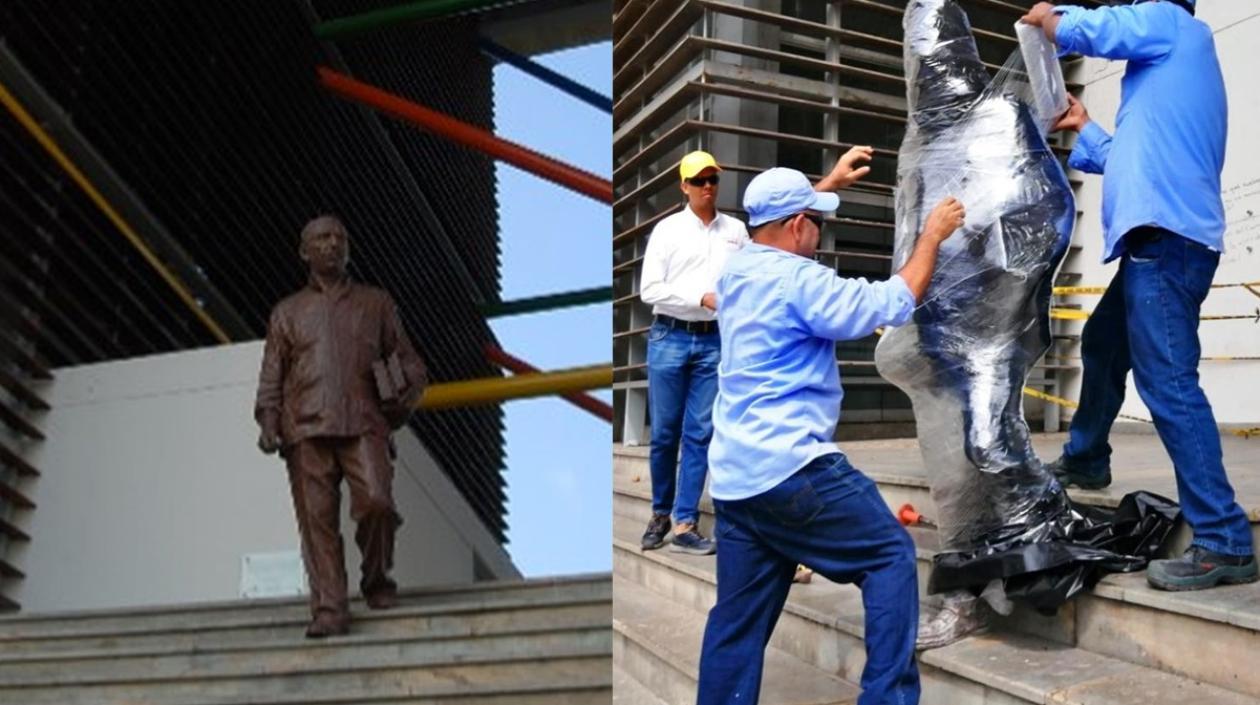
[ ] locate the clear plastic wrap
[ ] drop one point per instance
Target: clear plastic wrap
(965, 356)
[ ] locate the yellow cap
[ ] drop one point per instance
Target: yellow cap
(696, 162)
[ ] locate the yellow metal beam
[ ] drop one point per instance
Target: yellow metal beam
(495, 389)
(46, 141)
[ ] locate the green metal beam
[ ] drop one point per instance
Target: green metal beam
(343, 27)
(548, 303)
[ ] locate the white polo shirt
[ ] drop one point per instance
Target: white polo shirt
(683, 261)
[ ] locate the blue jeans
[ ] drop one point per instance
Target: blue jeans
(682, 384)
(830, 517)
(1149, 321)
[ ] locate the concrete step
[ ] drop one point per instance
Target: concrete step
(345, 654)
(435, 615)
(452, 599)
(1122, 617)
(538, 680)
(628, 691)
(822, 625)
(1139, 463)
(531, 641)
(657, 641)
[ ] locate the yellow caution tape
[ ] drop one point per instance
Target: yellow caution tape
(1069, 314)
(1253, 287)
(1080, 290)
(1069, 404)
(1072, 314)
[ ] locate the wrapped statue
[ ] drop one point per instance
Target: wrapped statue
(964, 359)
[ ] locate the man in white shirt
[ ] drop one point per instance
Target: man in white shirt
(685, 254)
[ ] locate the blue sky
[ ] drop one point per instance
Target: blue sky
(559, 458)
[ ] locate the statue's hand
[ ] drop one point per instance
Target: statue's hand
(396, 415)
(269, 441)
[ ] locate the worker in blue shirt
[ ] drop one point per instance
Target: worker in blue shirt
(1164, 220)
(784, 494)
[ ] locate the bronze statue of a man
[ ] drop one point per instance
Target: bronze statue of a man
(326, 402)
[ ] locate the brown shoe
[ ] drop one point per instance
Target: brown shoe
(326, 624)
(382, 600)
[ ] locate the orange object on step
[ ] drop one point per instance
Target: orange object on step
(908, 516)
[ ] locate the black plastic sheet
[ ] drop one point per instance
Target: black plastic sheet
(1079, 547)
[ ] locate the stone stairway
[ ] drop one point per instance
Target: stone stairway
(1123, 643)
(521, 642)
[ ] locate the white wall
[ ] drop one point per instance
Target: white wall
(1233, 387)
(152, 490)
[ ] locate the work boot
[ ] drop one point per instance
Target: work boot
(690, 541)
(1069, 473)
(657, 530)
(1200, 569)
(328, 624)
(961, 616)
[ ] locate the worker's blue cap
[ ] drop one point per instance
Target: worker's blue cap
(780, 192)
(1187, 4)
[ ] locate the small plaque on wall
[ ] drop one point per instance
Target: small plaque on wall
(273, 575)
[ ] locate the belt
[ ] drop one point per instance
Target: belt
(689, 326)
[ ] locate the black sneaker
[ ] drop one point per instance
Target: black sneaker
(657, 530)
(1199, 569)
(690, 541)
(1069, 475)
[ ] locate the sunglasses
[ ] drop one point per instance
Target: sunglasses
(702, 180)
(815, 219)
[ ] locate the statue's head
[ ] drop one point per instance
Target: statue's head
(325, 246)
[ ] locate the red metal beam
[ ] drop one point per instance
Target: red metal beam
(468, 135)
(520, 367)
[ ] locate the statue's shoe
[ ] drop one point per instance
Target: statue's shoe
(327, 624)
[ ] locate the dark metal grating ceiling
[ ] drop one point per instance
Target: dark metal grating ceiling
(210, 113)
